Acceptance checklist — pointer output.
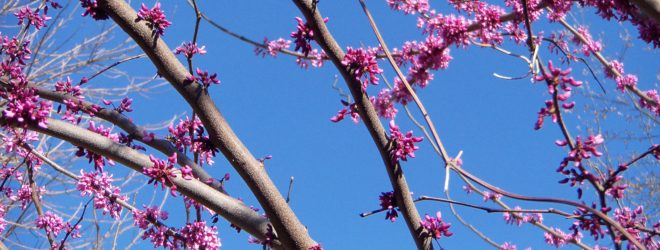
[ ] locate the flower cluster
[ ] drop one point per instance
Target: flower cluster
(361, 62)
(556, 80)
(632, 220)
(204, 78)
(124, 105)
(53, 225)
(105, 194)
(384, 104)
(349, 108)
(585, 221)
(518, 218)
(315, 58)
(198, 236)
(403, 146)
(92, 9)
(303, 36)
(164, 172)
(199, 144)
(99, 160)
(561, 238)
(590, 46)
(409, 7)
(451, 28)
(189, 49)
(388, 202)
(155, 18)
(436, 227)
(272, 47)
(581, 151)
(33, 17)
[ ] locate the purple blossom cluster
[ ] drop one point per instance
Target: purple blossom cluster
(204, 78)
(384, 104)
(403, 146)
(53, 225)
(388, 202)
(99, 160)
(155, 18)
(436, 227)
(272, 47)
(92, 9)
(303, 36)
(189, 49)
(559, 83)
(583, 150)
(409, 7)
(164, 172)
(362, 62)
(632, 220)
(190, 134)
(561, 239)
(194, 235)
(350, 109)
(34, 18)
(99, 185)
(518, 218)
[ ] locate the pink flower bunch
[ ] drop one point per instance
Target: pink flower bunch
(562, 239)
(508, 246)
(303, 36)
(590, 46)
(189, 49)
(315, 58)
(105, 194)
(632, 220)
(409, 7)
(350, 109)
(403, 146)
(156, 232)
(488, 196)
(451, 28)
(53, 225)
(201, 144)
(92, 9)
(24, 195)
(155, 18)
(99, 160)
(436, 227)
(556, 79)
(164, 172)
(653, 94)
(384, 104)
(585, 221)
(433, 55)
(68, 88)
(272, 47)
(124, 105)
(489, 18)
(204, 78)
(3, 222)
(33, 17)
(363, 63)
(581, 151)
(388, 202)
(198, 236)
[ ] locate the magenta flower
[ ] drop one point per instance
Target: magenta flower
(653, 94)
(402, 146)
(315, 58)
(350, 108)
(163, 172)
(590, 46)
(272, 47)
(143, 219)
(303, 36)
(68, 88)
(508, 246)
(198, 236)
(92, 9)
(204, 78)
(33, 17)
(105, 194)
(451, 28)
(53, 225)
(409, 7)
(201, 144)
(361, 62)
(436, 227)
(388, 202)
(155, 18)
(557, 241)
(384, 104)
(99, 160)
(188, 49)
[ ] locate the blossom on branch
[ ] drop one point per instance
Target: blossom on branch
(155, 18)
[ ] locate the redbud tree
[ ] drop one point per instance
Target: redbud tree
(112, 134)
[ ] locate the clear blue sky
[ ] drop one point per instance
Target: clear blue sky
(278, 109)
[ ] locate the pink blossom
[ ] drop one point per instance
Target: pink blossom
(92, 9)
(388, 202)
(163, 172)
(402, 146)
(627, 81)
(272, 47)
(143, 219)
(514, 217)
(99, 160)
(590, 46)
(436, 227)
(315, 58)
(204, 78)
(451, 28)
(189, 49)
(155, 19)
(32, 16)
(180, 135)
(616, 65)
(350, 109)
(363, 63)
(508, 246)
(384, 104)
(653, 95)
(53, 225)
(198, 236)
(557, 241)
(303, 36)
(105, 194)
(409, 7)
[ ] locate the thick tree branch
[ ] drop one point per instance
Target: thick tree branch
(287, 226)
(369, 116)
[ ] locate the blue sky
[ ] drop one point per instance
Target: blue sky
(278, 109)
